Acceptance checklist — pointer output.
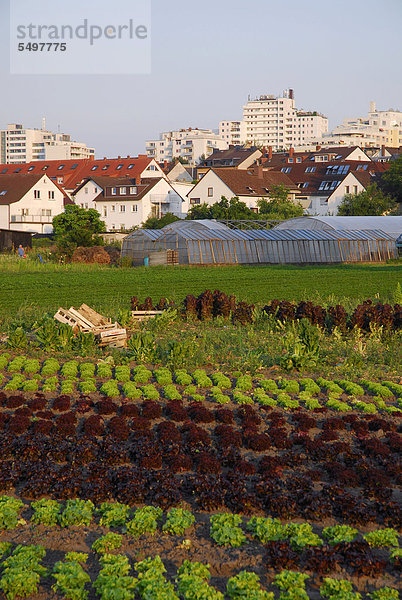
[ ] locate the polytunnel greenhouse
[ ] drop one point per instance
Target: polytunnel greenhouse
(212, 243)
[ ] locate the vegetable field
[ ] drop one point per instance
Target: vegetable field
(127, 481)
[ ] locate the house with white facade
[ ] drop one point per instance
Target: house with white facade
(29, 202)
(248, 186)
(124, 203)
(189, 144)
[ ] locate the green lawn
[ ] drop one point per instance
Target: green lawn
(47, 287)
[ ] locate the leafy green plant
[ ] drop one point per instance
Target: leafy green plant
(67, 387)
(46, 512)
(304, 352)
(338, 589)
(107, 543)
(152, 584)
(202, 379)
(142, 348)
(70, 580)
(87, 370)
(150, 392)
(385, 593)
(110, 389)
(88, 386)
(31, 366)
(182, 377)
(333, 389)
(30, 385)
(113, 514)
(290, 386)
(382, 538)
(293, 584)
(241, 398)
(353, 389)
(310, 386)
(192, 582)
(122, 373)
(171, 392)
(22, 572)
(145, 521)
(163, 376)
(339, 534)
(301, 535)
(244, 383)
(104, 370)
(15, 383)
(50, 367)
(17, 340)
(79, 557)
(17, 364)
(113, 581)
(10, 509)
(267, 530)
(50, 384)
(338, 405)
(84, 344)
(246, 585)
(225, 530)
(131, 391)
(4, 358)
(77, 512)
(269, 385)
(141, 374)
(385, 391)
(178, 520)
(70, 369)
(5, 548)
(221, 381)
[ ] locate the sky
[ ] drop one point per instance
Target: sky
(207, 58)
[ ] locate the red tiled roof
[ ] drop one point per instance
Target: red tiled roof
(248, 183)
(143, 188)
(74, 171)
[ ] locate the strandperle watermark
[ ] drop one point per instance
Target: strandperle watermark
(48, 38)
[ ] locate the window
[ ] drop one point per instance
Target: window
(210, 192)
(86, 205)
(31, 168)
(114, 191)
(51, 195)
(74, 166)
(361, 168)
(94, 168)
(305, 184)
(113, 208)
(3, 192)
(134, 208)
(286, 169)
(195, 200)
(17, 170)
(105, 167)
(355, 189)
(36, 193)
(60, 180)
(347, 188)
(130, 166)
(4, 171)
(60, 167)
(119, 167)
(310, 170)
(133, 189)
(123, 191)
(95, 190)
(25, 212)
(122, 208)
(86, 190)
(105, 211)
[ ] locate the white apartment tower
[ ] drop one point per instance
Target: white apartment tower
(189, 144)
(20, 145)
(274, 121)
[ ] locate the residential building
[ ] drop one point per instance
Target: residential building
(326, 176)
(274, 121)
(70, 173)
(379, 127)
(188, 144)
(248, 186)
(19, 144)
(233, 132)
(124, 203)
(238, 157)
(29, 202)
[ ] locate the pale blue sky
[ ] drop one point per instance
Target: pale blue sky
(207, 57)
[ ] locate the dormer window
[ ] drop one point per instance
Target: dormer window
(123, 191)
(114, 191)
(133, 190)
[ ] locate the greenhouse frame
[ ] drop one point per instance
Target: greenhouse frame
(198, 243)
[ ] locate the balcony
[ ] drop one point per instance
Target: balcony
(31, 219)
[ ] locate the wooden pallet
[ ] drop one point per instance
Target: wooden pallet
(86, 320)
(143, 315)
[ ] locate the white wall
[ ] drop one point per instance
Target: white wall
(329, 205)
(36, 214)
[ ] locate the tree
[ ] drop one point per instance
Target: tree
(391, 181)
(370, 202)
(232, 209)
(279, 206)
(78, 226)
(155, 223)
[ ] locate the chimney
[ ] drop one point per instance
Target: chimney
(383, 150)
(269, 152)
(291, 152)
(291, 94)
(165, 164)
(260, 172)
(119, 157)
(318, 147)
(372, 107)
(43, 124)
(264, 150)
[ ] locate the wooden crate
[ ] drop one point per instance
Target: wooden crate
(143, 315)
(91, 315)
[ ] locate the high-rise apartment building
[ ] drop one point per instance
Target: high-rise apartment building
(189, 144)
(20, 145)
(274, 121)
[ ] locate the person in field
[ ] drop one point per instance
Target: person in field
(21, 252)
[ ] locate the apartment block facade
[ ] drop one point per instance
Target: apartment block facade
(19, 144)
(188, 144)
(274, 121)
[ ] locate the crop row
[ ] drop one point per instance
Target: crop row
(22, 572)
(210, 305)
(225, 528)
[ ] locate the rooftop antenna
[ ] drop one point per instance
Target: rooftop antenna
(43, 124)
